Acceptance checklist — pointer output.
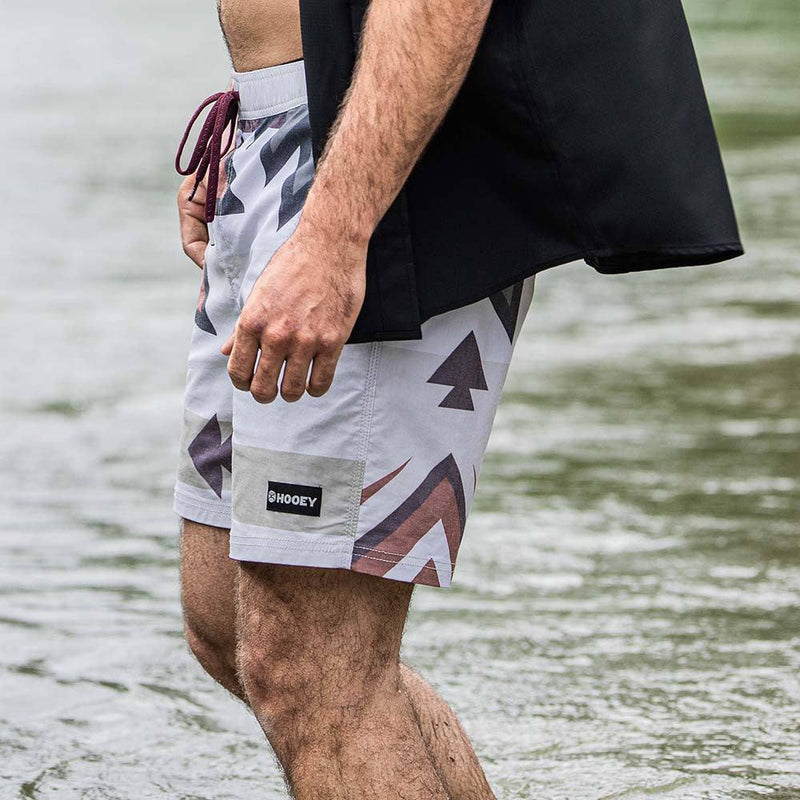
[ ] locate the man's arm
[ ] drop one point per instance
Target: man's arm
(413, 59)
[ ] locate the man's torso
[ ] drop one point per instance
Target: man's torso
(261, 33)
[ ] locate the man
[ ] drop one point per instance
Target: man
(400, 173)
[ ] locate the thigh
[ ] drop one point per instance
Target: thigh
(208, 583)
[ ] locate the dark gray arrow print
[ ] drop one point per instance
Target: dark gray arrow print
(506, 304)
(229, 203)
(463, 370)
(209, 454)
(294, 136)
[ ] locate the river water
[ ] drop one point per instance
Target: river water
(626, 612)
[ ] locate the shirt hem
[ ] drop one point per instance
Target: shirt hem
(696, 255)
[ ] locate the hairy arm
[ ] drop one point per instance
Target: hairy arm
(413, 58)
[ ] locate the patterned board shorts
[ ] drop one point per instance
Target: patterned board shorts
(377, 475)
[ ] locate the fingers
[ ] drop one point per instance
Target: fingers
(295, 374)
(297, 355)
(244, 346)
(261, 379)
(323, 370)
(191, 213)
(264, 387)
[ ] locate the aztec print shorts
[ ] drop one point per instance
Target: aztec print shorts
(377, 475)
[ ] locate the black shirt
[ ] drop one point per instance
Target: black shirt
(582, 131)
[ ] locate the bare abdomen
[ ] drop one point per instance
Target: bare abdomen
(261, 33)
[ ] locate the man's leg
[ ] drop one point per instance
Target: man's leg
(319, 661)
(209, 581)
(447, 742)
(208, 597)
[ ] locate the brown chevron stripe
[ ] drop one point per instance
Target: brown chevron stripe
(375, 486)
(440, 496)
(440, 504)
(378, 564)
(427, 575)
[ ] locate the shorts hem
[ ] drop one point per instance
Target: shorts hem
(404, 569)
(218, 516)
(394, 558)
(290, 552)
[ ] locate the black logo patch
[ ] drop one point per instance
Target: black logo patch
(294, 498)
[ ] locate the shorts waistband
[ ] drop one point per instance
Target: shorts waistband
(268, 91)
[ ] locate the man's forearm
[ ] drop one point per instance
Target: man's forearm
(413, 58)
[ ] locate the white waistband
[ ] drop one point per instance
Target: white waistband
(268, 91)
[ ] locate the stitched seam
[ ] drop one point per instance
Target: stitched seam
(368, 550)
(202, 506)
(292, 544)
(659, 248)
(265, 73)
(233, 293)
(285, 544)
(289, 544)
(411, 560)
(390, 553)
(367, 409)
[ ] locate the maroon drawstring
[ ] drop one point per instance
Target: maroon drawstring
(208, 151)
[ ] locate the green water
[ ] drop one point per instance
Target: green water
(626, 612)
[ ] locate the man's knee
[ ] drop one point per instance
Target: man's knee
(309, 697)
(316, 646)
(208, 598)
(277, 686)
(215, 653)
(281, 666)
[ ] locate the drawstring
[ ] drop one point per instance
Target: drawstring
(208, 151)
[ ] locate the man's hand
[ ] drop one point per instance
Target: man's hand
(191, 214)
(301, 310)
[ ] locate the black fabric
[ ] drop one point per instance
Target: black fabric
(582, 131)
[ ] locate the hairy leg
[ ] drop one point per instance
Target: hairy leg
(447, 742)
(319, 660)
(208, 598)
(209, 580)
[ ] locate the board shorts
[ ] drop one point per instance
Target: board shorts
(377, 475)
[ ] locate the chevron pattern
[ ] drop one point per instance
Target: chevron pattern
(422, 534)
